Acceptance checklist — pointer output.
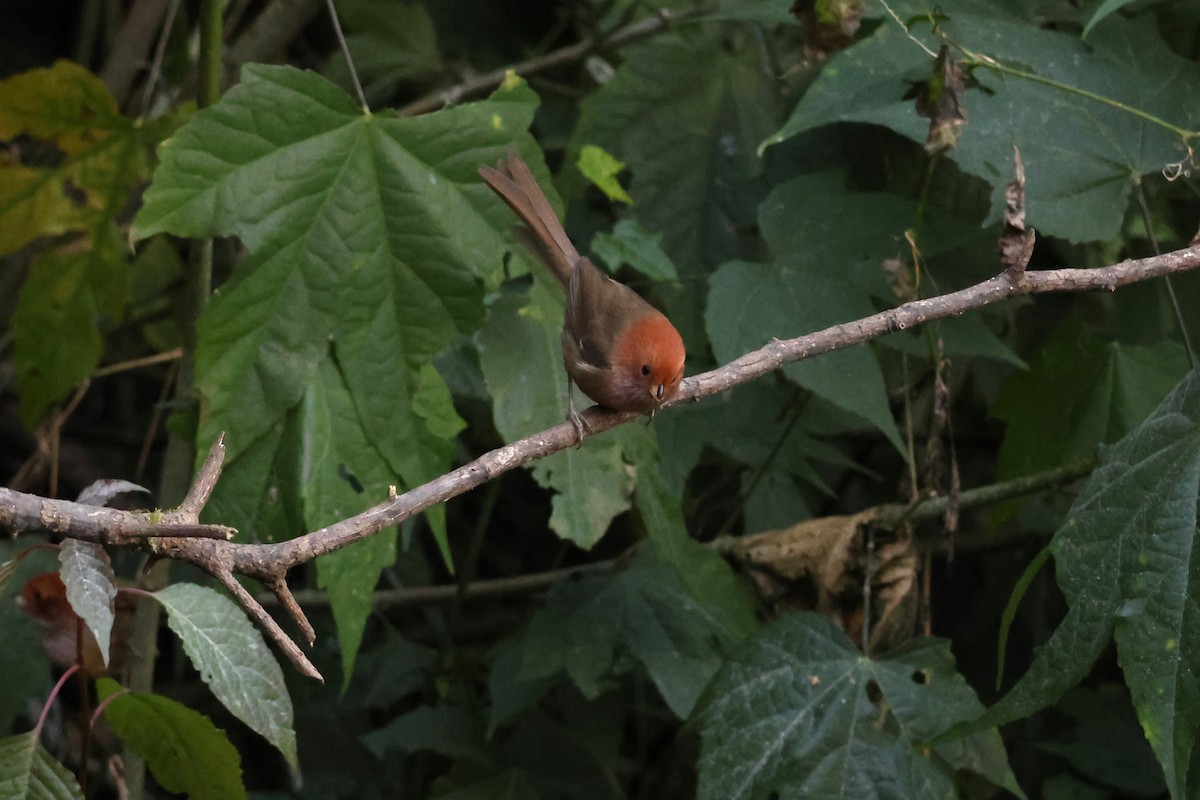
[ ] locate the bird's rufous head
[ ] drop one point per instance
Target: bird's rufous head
(654, 355)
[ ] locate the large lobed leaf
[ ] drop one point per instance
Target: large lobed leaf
(1127, 564)
(799, 712)
(371, 244)
(1082, 153)
(232, 658)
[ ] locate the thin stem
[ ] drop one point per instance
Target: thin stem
(993, 64)
(341, 37)
(103, 704)
(1140, 192)
(208, 89)
(71, 670)
(159, 53)
(569, 54)
(466, 573)
(138, 363)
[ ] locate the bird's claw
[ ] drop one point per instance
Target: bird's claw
(581, 425)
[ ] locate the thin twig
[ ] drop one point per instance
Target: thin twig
(156, 65)
(566, 55)
(1147, 220)
(412, 597)
(138, 363)
(341, 37)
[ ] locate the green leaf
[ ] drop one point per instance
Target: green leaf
(511, 784)
(28, 772)
(759, 424)
(232, 658)
(390, 672)
(966, 337)
(686, 115)
(343, 473)
(369, 236)
(510, 690)
(791, 715)
(630, 243)
(23, 663)
(1080, 392)
(752, 303)
(1102, 11)
(1081, 155)
(598, 627)
(521, 355)
(71, 295)
(91, 587)
(1106, 742)
(711, 583)
(450, 729)
(599, 167)
(1125, 562)
(186, 753)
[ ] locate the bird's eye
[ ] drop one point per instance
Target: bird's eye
(645, 369)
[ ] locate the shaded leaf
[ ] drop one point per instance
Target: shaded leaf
(1078, 393)
(69, 297)
(1081, 155)
(790, 715)
(1103, 10)
(1125, 562)
(232, 658)
(183, 749)
(28, 772)
(751, 304)
(597, 628)
(450, 729)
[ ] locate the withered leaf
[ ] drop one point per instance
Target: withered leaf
(941, 100)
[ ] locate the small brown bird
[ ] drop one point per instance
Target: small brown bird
(620, 350)
(44, 599)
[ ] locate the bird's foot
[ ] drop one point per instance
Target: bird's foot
(581, 425)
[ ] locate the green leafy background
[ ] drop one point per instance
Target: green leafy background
(756, 176)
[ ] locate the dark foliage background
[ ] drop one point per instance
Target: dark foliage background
(758, 171)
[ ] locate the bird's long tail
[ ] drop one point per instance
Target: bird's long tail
(543, 234)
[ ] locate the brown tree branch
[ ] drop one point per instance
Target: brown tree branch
(270, 563)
